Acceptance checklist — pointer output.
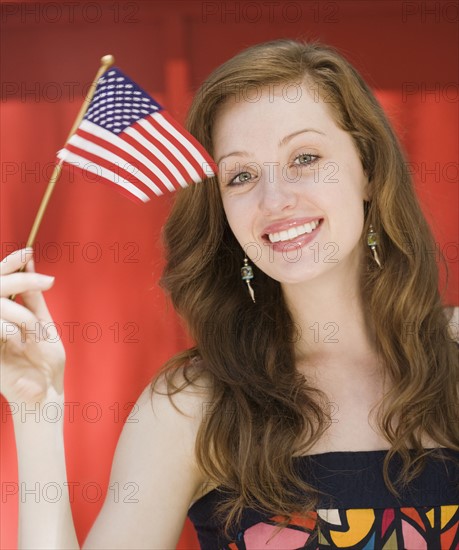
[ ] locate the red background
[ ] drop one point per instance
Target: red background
(103, 249)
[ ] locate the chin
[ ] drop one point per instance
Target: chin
(295, 276)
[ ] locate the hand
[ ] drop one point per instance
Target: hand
(32, 357)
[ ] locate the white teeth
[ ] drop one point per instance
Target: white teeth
(284, 236)
(293, 232)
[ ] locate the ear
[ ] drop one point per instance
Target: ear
(367, 189)
(366, 208)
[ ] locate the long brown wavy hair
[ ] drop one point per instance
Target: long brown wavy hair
(262, 407)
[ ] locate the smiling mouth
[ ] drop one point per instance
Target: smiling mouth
(293, 232)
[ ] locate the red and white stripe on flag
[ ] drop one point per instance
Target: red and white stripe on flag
(127, 139)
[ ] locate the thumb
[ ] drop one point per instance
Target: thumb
(34, 299)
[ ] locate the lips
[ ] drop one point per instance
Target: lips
(293, 232)
(296, 243)
(303, 225)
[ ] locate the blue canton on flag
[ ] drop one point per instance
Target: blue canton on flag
(118, 102)
(129, 140)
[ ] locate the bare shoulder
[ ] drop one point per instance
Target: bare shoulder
(155, 462)
(185, 409)
(452, 314)
(199, 388)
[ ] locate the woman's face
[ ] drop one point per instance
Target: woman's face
(291, 182)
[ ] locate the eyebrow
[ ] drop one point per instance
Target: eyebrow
(282, 143)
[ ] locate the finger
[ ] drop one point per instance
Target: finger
(30, 265)
(13, 312)
(9, 331)
(17, 283)
(35, 301)
(21, 343)
(15, 260)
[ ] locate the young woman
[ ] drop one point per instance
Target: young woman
(319, 407)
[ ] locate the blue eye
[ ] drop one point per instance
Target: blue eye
(306, 158)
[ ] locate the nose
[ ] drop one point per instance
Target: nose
(276, 193)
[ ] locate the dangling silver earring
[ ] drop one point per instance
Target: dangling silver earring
(247, 276)
(372, 241)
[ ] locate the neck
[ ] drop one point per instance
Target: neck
(331, 323)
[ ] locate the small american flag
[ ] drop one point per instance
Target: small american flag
(127, 138)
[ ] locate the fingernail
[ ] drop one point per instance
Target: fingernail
(46, 279)
(26, 253)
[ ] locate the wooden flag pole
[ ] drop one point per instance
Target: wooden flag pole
(106, 62)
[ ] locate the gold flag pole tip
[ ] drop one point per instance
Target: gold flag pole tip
(107, 60)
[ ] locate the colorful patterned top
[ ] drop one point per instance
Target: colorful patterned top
(359, 513)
